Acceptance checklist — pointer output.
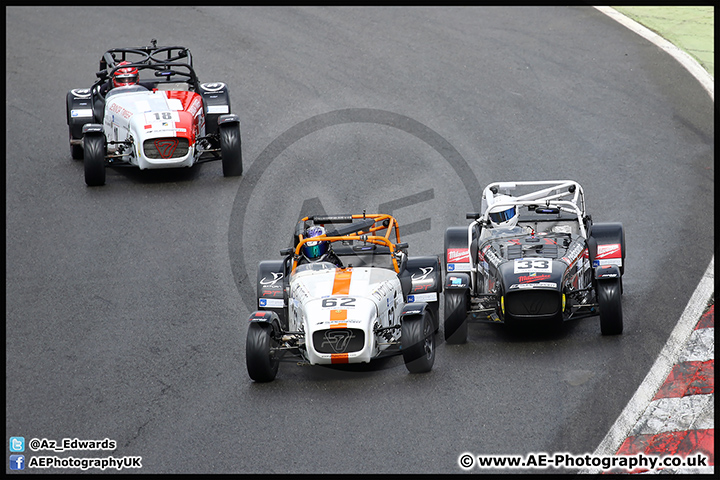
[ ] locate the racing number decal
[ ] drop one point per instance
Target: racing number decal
(162, 117)
(527, 265)
(347, 302)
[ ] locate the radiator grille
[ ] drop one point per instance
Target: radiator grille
(339, 340)
(166, 148)
(532, 303)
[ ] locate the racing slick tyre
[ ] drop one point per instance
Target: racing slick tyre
(456, 325)
(433, 309)
(418, 343)
(609, 298)
(262, 366)
(94, 159)
(230, 149)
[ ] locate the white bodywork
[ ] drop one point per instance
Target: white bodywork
(326, 298)
(137, 114)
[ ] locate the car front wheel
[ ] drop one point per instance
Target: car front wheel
(262, 365)
(609, 294)
(456, 325)
(94, 159)
(418, 343)
(230, 149)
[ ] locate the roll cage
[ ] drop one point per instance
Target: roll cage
(372, 231)
(552, 200)
(165, 62)
(151, 54)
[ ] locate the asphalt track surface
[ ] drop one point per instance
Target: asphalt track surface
(127, 304)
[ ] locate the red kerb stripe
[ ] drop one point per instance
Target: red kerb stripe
(689, 378)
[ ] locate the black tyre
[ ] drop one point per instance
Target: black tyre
(456, 325)
(418, 343)
(76, 151)
(262, 366)
(433, 308)
(609, 294)
(230, 149)
(94, 159)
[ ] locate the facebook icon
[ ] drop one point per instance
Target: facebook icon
(17, 462)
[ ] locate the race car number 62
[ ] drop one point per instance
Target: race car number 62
(338, 302)
(526, 265)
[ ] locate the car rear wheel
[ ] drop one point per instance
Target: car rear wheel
(609, 294)
(94, 159)
(230, 149)
(262, 365)
(418, 343)
(456, 325)
(433, 309)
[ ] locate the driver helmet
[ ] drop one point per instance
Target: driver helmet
(503, 216)
(124, 77)
(313, 250)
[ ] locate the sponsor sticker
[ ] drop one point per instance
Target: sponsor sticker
(609, 251)
(534, 285)
(81, 113)
(195, 106)
(271, 302)
(218, 109)
(533, 277)
(272, 281)
(608, 275)
(490, 256)
(423, 297)
(120, 110)
(458, 255)
(81, 92)
(458, 267)
(610, 261)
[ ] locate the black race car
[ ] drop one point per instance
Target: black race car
(533, 254)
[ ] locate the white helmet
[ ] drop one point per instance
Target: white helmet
(502, 216)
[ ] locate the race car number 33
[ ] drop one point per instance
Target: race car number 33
(528, 265)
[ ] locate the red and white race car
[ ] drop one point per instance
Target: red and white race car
(148, 110)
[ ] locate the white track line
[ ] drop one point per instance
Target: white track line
(705, 79)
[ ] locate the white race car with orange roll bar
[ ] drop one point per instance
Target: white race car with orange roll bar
(371, 301)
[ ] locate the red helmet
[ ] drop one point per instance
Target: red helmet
(125, 76)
